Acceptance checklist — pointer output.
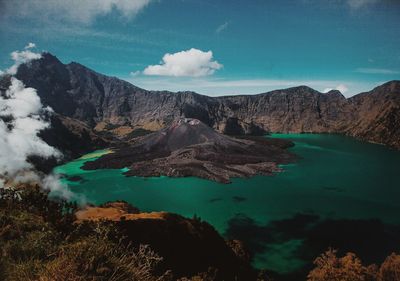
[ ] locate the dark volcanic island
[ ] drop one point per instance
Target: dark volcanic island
(190, 148)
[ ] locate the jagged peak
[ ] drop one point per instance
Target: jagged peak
(46, 59)
(49, 57)
(74, 63)
(80, 67)
(334, 93)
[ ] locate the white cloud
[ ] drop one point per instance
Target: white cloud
(21, 120)
(82, 11)
(20, 57)
(193, 63)
(30, 46)
(326, 90)
(341, 88)
(19, 137)
(222, 27)
(356, 4)
(21, 102)
(20, 123)
(53, 184)
(377, 71)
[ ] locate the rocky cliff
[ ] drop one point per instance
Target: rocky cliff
(377, 115)
(105, 102)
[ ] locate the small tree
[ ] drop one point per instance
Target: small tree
(390, 269)
(348, 268)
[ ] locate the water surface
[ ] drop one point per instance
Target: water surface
(337, 178)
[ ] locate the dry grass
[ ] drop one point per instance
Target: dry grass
(115, 214)
(42, 244)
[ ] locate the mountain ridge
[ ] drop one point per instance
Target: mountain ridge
(78, 92)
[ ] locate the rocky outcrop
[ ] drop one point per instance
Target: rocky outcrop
(190, 148)
(188, 246)
(77, 92)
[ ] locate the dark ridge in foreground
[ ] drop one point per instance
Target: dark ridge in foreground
(42, 239)
(188, 245)
(113, 106)
(190, 148)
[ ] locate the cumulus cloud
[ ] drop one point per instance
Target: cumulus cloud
(20, 102)
(20, 57)
(193, 63)
(30, 46)
(22, 117)
(20, 123)
(82, 11)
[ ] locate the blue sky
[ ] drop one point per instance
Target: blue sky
(216, 47)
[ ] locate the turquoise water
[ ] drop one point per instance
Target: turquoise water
(336, 177)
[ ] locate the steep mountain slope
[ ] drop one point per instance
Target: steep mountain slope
(80, 93)
(298, 109)
(71, 136)
(377, 116)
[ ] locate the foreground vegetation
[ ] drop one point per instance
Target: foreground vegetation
(329, 267)
(39, 240)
